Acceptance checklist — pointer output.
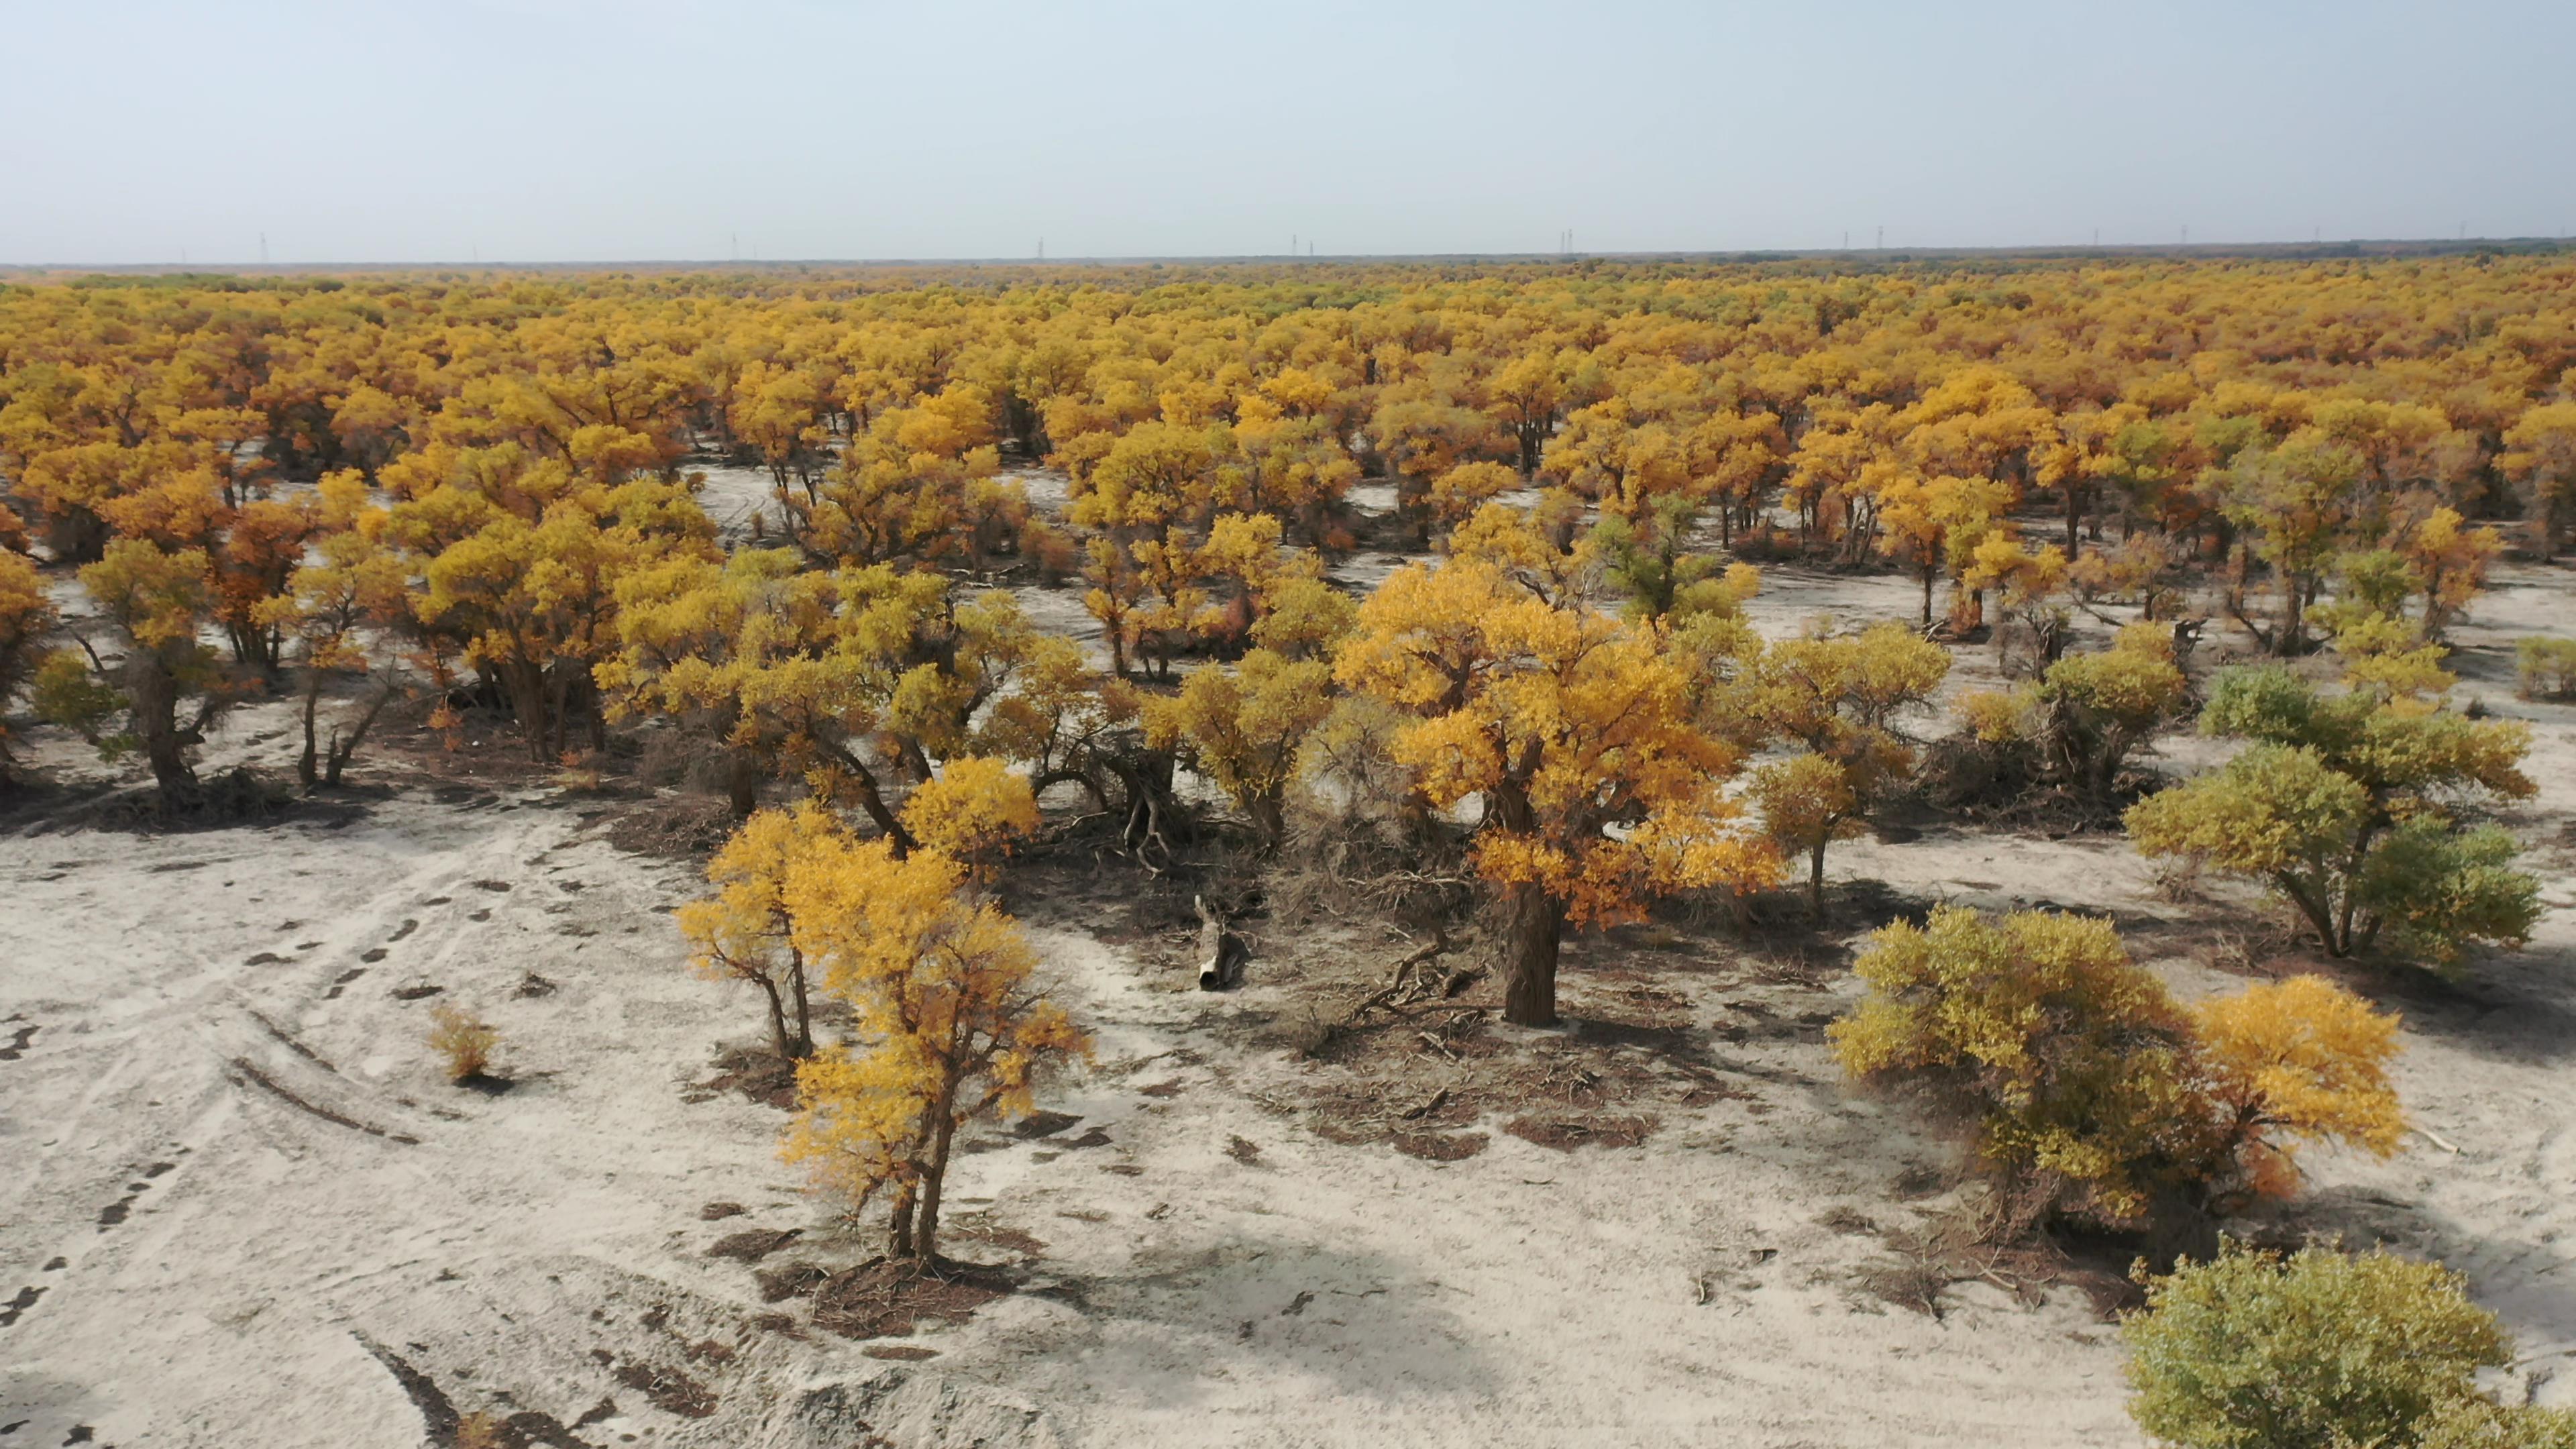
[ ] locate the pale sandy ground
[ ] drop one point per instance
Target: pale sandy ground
(1685, 1292)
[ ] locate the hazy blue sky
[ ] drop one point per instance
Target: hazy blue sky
(660, 129)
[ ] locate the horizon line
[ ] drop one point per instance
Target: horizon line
(2316, 248)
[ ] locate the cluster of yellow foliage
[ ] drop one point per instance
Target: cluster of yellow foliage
(512, 446)
(944, 1026)
(2092, 1090)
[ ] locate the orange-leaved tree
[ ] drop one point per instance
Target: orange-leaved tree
(1576, 731)
(947, 1026)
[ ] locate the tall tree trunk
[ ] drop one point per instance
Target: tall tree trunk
(307, 771)
(925, 1232)
(777, 1018)
(1816, 878)
(899, 1234)
(803, 1042)
(1529, 956)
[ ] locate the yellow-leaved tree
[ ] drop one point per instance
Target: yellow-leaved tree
(25, 615)
(743, 931)
(946, 1025)
(1578, 733)
(974, 811)
(2296, 1059)
(2093, 1094)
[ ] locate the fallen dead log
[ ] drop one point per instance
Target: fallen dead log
(1412, 980)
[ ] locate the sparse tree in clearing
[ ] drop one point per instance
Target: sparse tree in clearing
(26, 615)
(167, 687)
(743, 931)
(2340, 807)
(947, 1027)
(1242, 728)
(2319, 1350)
(1565, 723)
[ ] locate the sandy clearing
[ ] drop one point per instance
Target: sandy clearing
(180, 987)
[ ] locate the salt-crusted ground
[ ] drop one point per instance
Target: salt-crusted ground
(239, 1204)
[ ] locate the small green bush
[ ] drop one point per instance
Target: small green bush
(2322, 1350)
(2546, 667)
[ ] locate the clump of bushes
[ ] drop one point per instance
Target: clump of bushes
(2078, 724)
(2323, 1350)
(465, 1040)
(2546, 668)
(2094, 1097)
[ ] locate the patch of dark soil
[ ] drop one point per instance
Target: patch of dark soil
(16, 1308)
(1042, 1124)
(901, 1352)
(493, 885)
(533, 984)
(789, 1280)
(437, 1413)
(760, 1076)
(415, 992)
(373, 954)
(1847, 1219)
(18, 1040)
(1440, 1146)
(485, 1084)
(1096, 1137)
(1567, 1131)
(1243, 1150)
(753, 1244)
(781, 1323)
(685, 827)
(527, 1427)
(255, 1075)
(668, 1389)
(886, 1299)
(342, 982)
(718, 1211)
(265, 958)
(1171, 1088)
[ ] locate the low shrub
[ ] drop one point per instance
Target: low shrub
(465, 1040)
(2319, 1350)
